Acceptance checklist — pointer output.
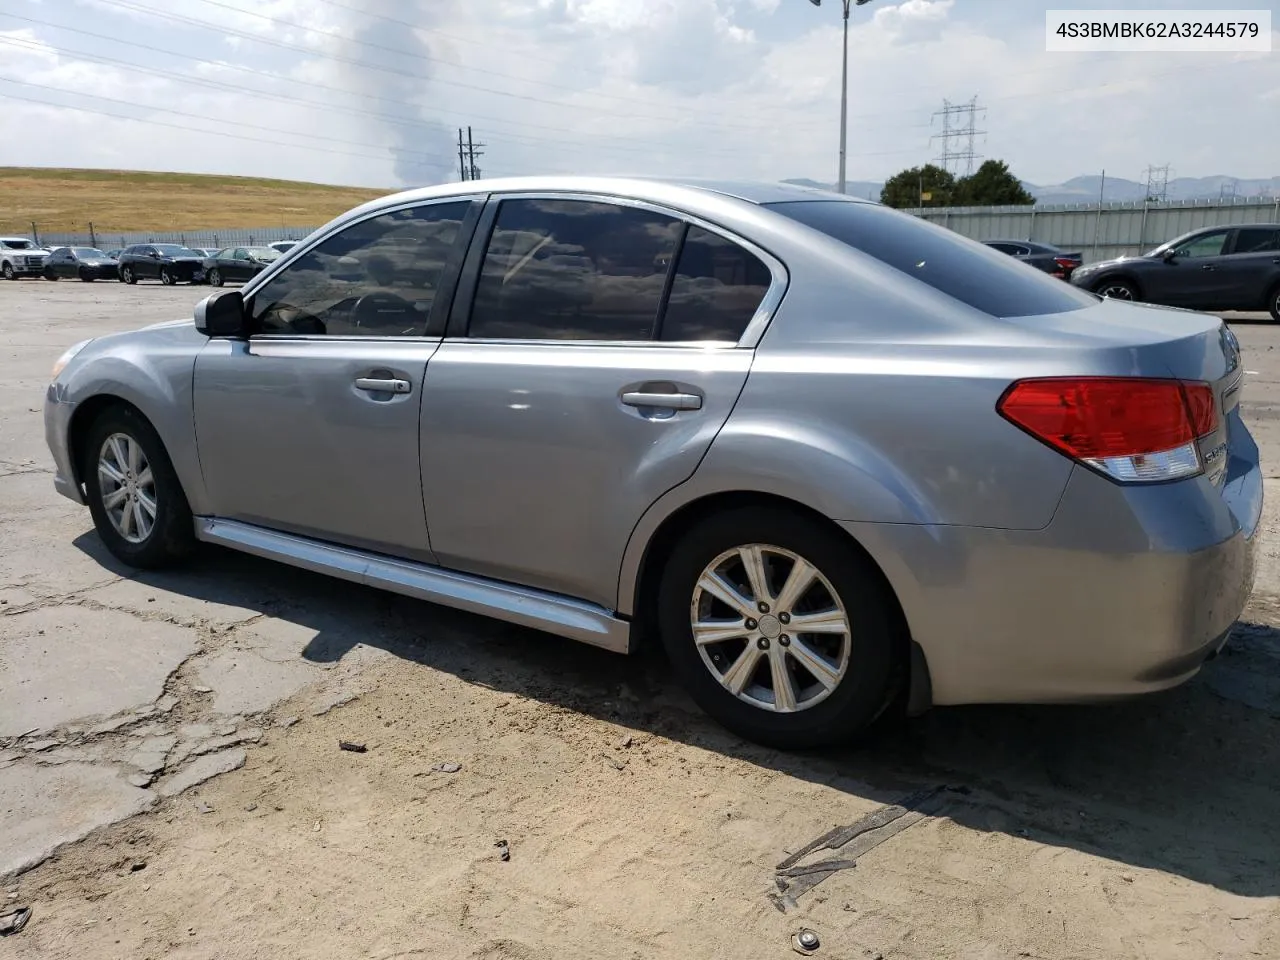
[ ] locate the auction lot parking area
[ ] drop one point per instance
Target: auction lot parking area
(633, 826)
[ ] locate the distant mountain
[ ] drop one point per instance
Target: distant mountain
(1085, 189)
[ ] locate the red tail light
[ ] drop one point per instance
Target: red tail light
(1130, 428)
(1066, 263)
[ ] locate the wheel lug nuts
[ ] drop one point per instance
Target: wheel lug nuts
(750, 624)
(763, 608)
(763, 643)
(784, 617)
(784, 640)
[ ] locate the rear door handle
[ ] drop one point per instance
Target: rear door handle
(663, 401)
(376, 385)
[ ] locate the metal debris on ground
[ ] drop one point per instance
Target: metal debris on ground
(794, 879)
(13, 921)
(352, 747)
(805, 942)
(504, 850)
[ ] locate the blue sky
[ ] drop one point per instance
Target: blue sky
(372, 91)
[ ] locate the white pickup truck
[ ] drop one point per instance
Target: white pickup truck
(21, 257)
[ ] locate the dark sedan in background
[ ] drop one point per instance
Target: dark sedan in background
(1215, 268)
(238, 264)
(1042, 256)
(79, 263)
(167, 262)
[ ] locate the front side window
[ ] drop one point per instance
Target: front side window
(378, 277)
(1258, 240)
(573, 270)
(1206, 245)
(716, 291)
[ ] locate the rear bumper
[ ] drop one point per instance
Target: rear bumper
(1127, 591)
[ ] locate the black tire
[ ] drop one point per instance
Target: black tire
(1273, 303)
(166, 277)
(171, 537)
(127, 275)
(215, 277)
(8, 272)
(1118, 289)
(866, 687)
(85, 276)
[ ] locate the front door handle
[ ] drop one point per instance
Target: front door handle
(1208, 266)
(377, 385)
(663, 401)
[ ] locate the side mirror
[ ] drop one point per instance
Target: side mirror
(222, 314)
(1169, 255)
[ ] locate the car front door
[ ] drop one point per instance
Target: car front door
(1192, 276)
(239, 267)
(311, 424)
(61, 263)
(594, 351)
(147, 263)
(1252, 269)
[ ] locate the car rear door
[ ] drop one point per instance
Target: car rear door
(1252, 268)
(594, 350)
(311, 424)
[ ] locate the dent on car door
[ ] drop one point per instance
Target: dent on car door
(311, 425)
(572, 391)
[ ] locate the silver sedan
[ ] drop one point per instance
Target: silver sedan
(839, 460)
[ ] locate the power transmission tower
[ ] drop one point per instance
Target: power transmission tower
(1228, 190)
(468, 152)
(1157, 183)
(959, 133)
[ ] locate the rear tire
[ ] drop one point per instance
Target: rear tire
(137, 502)
(736, 673)
(1273, 303)
(1117, 290)
(215, 277)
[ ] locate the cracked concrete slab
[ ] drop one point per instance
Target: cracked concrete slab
(201, 769)
(46, 807)
(63, 663)
(243, 682)
(159, 595)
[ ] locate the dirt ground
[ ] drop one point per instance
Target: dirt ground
(634, 827)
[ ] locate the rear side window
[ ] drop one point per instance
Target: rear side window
(573, 270)
(1258, 240)
(963, 269)
(716, 291)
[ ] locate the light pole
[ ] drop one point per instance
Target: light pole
(844, 85)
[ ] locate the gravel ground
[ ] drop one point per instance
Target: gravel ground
(169, 756)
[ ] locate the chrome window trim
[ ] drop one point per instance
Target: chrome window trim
(755, 327)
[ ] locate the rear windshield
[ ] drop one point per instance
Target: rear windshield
(963, 269)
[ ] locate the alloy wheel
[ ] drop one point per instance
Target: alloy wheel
(1116, 291)
(770, 628)
(127, 486)
(166, 277)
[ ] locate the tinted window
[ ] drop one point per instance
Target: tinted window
(717, 288)
(960, 268)
(377, 277)
(573, 270)
(1206, 245)
(1258, 240)
(89, 253)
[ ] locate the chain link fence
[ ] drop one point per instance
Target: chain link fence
(214, 237)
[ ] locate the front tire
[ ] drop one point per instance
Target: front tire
(1273, 303)
(1117, 290)
(166, 277)
(137, 502)
(127, 275)
(8, 271)
(779, 628)
(85, 276)
(50, 275)
(215, 277)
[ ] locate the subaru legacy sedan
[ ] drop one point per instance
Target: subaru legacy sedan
(836, 460)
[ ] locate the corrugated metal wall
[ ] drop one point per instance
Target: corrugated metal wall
(216, 238)
(1112, 230)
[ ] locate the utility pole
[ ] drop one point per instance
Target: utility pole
(462, 164)
(467, 153)
(1097, 222)
(472, 153)
(844, 87)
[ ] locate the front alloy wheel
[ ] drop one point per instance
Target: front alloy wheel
(1117, 290)
(215, 277)
(126, 275)
(166, 277)
(9, 272)
(770, 628)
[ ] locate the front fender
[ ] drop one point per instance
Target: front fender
(153, 370)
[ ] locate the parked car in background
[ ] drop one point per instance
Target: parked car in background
(167, 262)
(238, 264)
(82, 263)
(203, 251)
(21, 257)
(283, 246)
(618, 409)
(114, 253)
(1043, 256)
(1216, 268)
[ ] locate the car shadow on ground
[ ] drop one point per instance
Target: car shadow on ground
(1183, 782)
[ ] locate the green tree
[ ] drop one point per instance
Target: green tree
(991, 185)
(905, 190)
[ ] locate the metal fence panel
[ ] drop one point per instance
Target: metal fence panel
(1102, 231)
(215, 237)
